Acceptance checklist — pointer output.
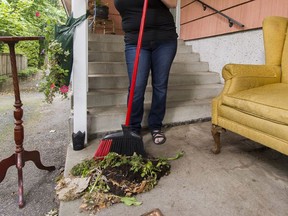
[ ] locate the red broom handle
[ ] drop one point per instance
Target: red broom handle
(136, 62)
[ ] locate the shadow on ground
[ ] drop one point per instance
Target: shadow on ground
(46, 130)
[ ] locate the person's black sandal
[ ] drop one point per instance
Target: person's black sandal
(156, 135)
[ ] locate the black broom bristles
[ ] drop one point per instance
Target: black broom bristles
(124, 143)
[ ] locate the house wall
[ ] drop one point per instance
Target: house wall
(210, 35)
(242, 48)
(196, 23)
(217, 43)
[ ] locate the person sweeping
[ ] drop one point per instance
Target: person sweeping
(150, 44)
(159, 46)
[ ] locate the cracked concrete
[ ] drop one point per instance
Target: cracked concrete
(244, 179)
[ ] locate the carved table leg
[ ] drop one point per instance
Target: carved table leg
(18, 129)
(20, 155)
(216, 131)
(34, 156)
(5, 164)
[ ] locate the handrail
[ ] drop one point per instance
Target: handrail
(230, 20)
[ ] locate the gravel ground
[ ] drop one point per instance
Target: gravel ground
(46, 130)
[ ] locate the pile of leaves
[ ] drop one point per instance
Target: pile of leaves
(119, 178)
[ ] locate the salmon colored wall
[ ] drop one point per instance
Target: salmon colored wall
(197, 23)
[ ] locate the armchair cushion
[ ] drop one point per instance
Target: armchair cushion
(267, 102)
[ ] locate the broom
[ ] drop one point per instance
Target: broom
(126, 142)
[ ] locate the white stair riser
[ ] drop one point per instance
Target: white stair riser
(119, 47)
(120, 57)
(120, 67)
(104, 123)
(114, 39)
(122, 81)
(106, 38)
(99, 99)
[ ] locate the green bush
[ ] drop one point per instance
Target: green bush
(3, 78)
(30, 71)
(30, 18)
(31, 50)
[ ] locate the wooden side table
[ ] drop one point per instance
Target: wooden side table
(20, 156)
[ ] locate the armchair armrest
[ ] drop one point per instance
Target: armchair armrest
(239, 77)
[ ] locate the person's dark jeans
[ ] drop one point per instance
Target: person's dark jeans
(157, 56)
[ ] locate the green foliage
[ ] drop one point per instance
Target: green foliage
(3, 78)
(129, 201)
(30, 18)
(148, 168)
(99, 3)
(117, 178)
(82, 169)
(54, 75)
(31, 50)
(114, 160)
(30, 71)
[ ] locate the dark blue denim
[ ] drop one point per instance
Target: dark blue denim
(156, 56)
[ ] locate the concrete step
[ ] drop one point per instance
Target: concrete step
(191, 86)
(106, 38)
(114, 38)
(119, 47)
(99, 81)
(120, 67)
(110, 118)
(120, 57)
(112, 97)
(105, 47)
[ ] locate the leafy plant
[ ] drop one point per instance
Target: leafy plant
(117, 178)
(30, 71)
(130, 201)
(83, 169)
(31, 50)
(100, 3)
(3, 78)
(30, 18)
(113, 160)
(55, 77)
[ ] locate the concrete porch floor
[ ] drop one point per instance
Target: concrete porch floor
(244, 179)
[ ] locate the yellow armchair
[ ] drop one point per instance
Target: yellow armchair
(254, 100)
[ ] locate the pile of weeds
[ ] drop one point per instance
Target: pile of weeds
(119, 178)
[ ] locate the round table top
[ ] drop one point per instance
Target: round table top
(19, 38)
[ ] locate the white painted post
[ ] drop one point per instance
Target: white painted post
(177, 21)
(80, 69)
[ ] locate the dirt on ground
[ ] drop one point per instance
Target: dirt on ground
(46, 129)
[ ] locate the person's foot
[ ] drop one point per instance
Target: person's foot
(158, 137)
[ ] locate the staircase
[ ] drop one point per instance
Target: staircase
(191, 86)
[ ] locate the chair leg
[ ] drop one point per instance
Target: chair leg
(216, 131)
